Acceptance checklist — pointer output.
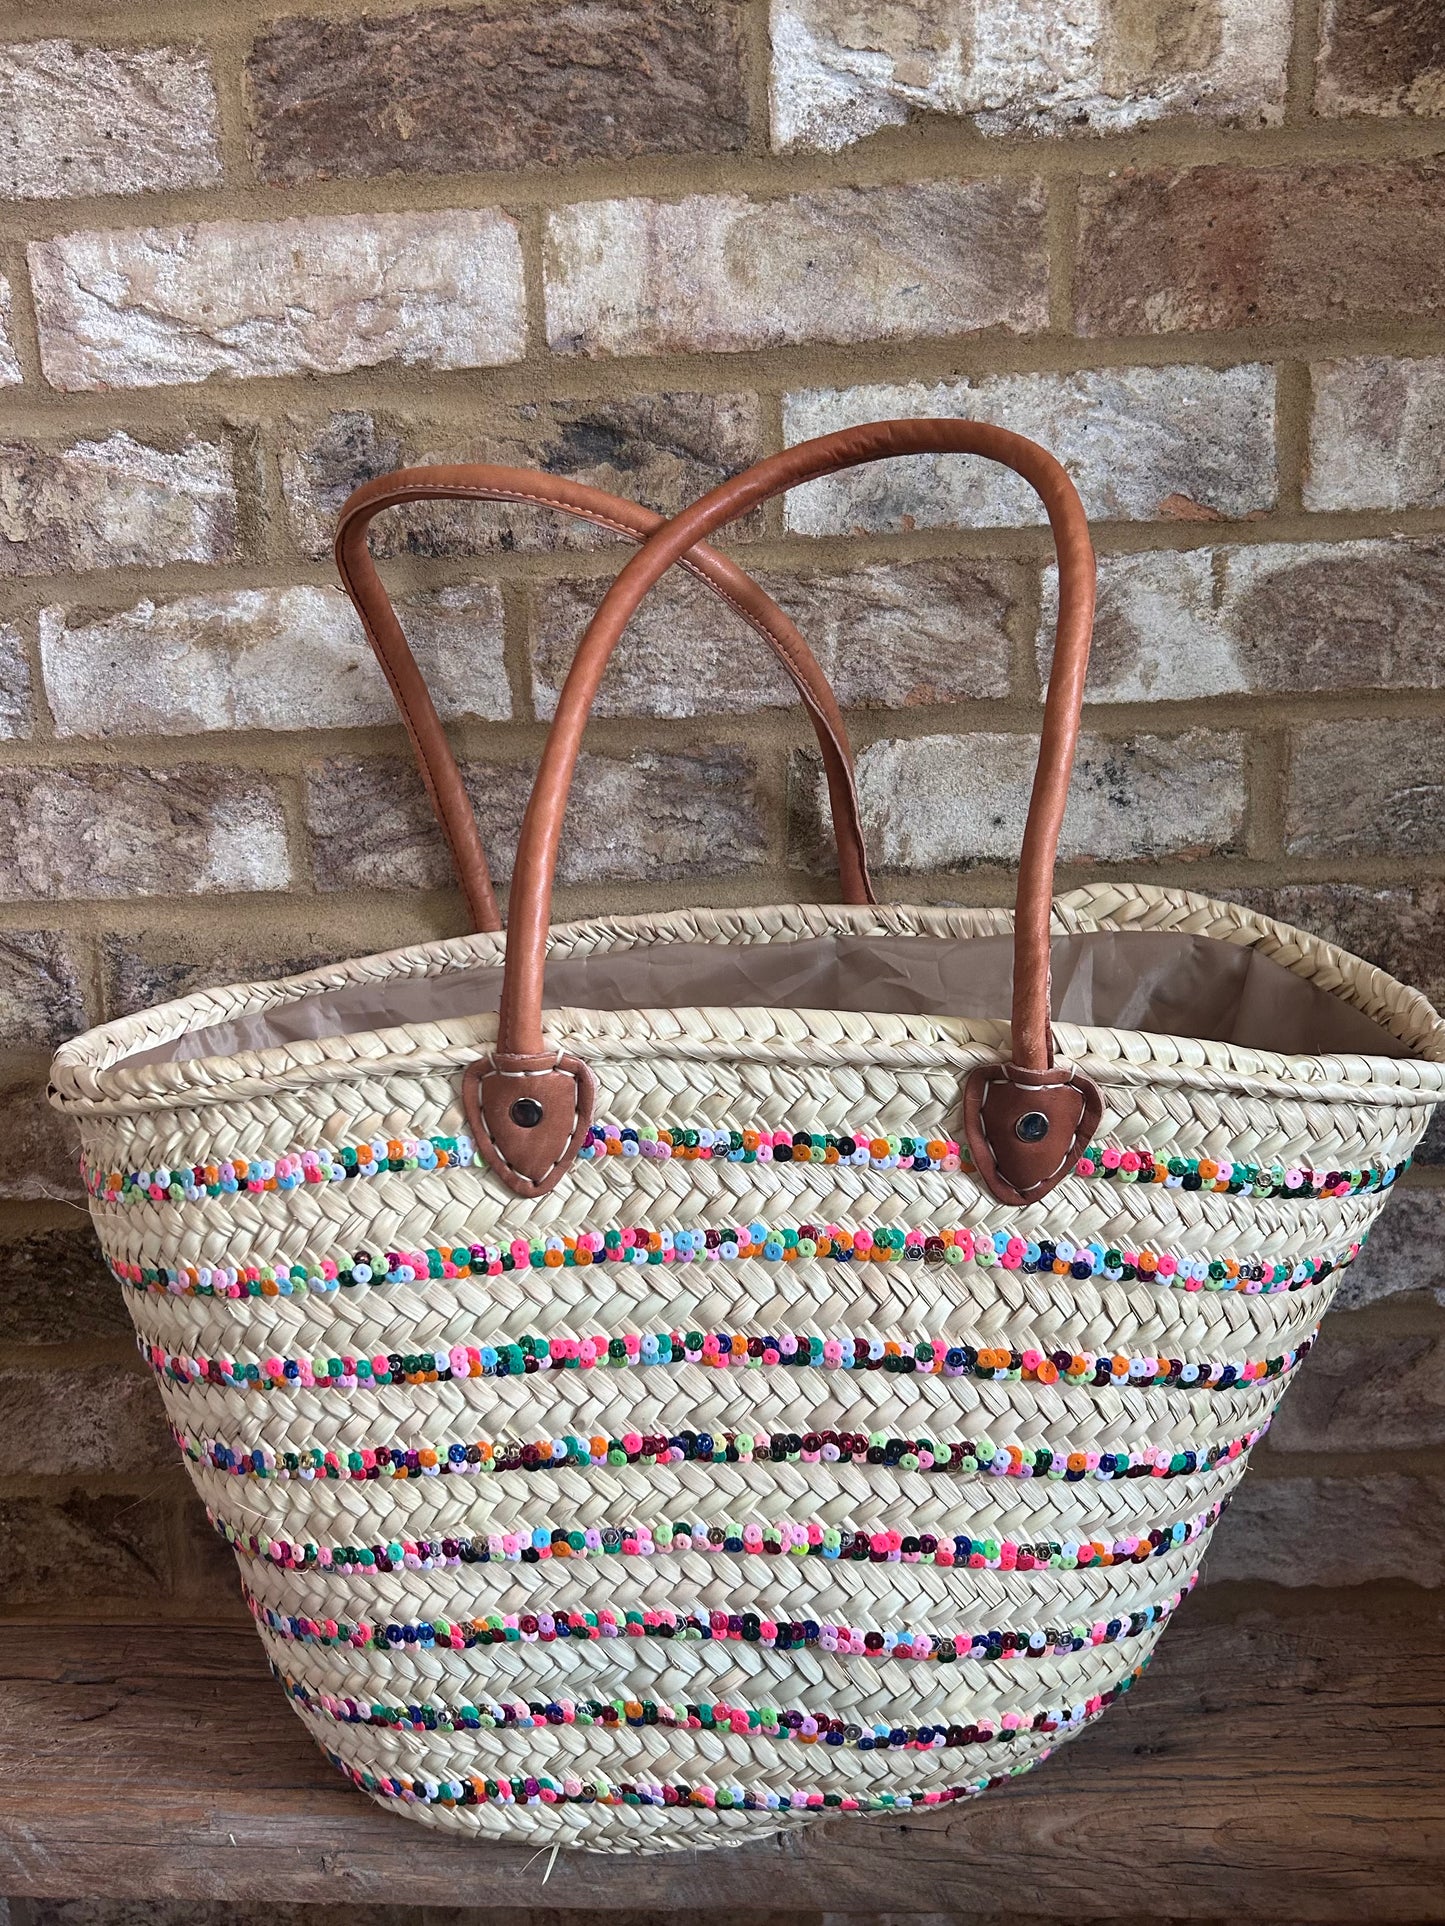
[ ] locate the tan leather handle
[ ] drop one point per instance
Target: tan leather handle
(530, 1107)
(520, 1025)
(443, 779)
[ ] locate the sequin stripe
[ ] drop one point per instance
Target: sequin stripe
(804, 1727)
(869, 1149)
(997, 1646)
(929, 1357)
(883, 1150)
(545, 1789)
(974, 1552)
(1229, 1177)
(640, 1246)
(238, 1176)
(967, 1456)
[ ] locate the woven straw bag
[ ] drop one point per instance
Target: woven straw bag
(781, 1385)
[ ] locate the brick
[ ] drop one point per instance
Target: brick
(142, 308)
(116, 503)
(102, 1548)
(657, 816)
(10, 375)
(40, 1149)
(58, 1290)
(890, 634)
(1367, 787)
(1275, 619)
(42, 999)
(110, 831)
(105, 120)
(457, 637)
(293, 658)
(390, 834)
(841, 71)
(1141, 444)
(1375, 59)
(1169, 251)
(663, 450)
(1333, 1531)
(1405, 1252)
(1399, 928)
(1361, 1393)
(535, 85)
(1377, 433)
(142, 970)
(949, 802)
(721, 272)
(17, 710)
(95, 1418)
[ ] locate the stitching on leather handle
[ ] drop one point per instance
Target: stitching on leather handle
(502, 1157)
(1058, 1170)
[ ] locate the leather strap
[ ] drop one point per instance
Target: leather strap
(443, 779)
(1020, 1163)
(520, 1023)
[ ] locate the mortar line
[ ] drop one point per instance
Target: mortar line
(531, 226)
(1267, 777)
(262, 524)
(491, 395)
(757, 75)
(22, 329)
(362, 921)
(228, 48)
(101, 591)
(1300, 78)
(278, 754)
(1062, 232)
(930, 149)
(1292, 431)
(520, 629)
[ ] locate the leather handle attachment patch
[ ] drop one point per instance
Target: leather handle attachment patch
(529, 1116)
(1026, 1128)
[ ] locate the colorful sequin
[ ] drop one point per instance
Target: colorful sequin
(545, 1628)
(966, 1456)
(882, 1150)
(721, 1350)
(974, 1552)
(1060, 1257)
(252, 1176)
(545, 1789)
(1232, 1178)
(866, 1149)
(805, 1727)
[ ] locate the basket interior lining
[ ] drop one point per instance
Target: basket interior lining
(1162, 982)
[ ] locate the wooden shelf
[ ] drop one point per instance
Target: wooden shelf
(1268, 1768)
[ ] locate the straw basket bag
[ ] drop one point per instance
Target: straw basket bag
(668, 1378)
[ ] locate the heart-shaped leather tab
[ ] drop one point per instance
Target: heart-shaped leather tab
(529, 1116)
(1025, 1128)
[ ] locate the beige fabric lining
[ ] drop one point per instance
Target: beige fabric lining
(1160, 982)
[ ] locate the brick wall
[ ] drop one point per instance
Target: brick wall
(1196, 246)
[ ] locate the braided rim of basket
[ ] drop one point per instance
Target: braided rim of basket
(90, 1074)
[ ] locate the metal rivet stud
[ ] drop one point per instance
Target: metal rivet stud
(526, 1113)
(1032, 1127)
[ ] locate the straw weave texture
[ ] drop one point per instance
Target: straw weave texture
(733, 1068)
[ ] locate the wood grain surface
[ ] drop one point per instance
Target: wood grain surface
(1269, 1767)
